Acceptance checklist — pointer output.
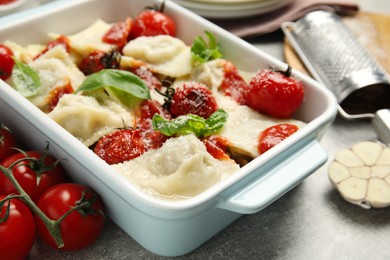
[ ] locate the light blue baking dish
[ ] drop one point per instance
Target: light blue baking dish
(165, 227)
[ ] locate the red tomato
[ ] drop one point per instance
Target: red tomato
(233, 85)
(275, 93)
(17, 232)
(34, 176)
(193, 98)
(217, 146)
(56, 93)
(7, 142)
(126, 144)
(152, 23)
(149, 108)
(80, 228)
(120, 146)
(98, 60)
(5, 2)
(6, 62)
(274, 135)
(147, 76)
(118, 33)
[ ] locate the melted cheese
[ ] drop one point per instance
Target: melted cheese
(88, 118)
(164, 54)
(172, 172)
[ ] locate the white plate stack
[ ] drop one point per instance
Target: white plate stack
(223, 9)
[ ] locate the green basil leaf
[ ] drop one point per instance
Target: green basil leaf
(190, 123)
(25, 80)
(203, 52)
(120, 84)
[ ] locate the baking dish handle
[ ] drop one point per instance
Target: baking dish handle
(278, 181)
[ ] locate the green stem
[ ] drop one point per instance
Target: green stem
(53, 226)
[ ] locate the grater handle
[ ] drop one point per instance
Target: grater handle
(381, 124)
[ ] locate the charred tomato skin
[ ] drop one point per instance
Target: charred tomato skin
(193, 98)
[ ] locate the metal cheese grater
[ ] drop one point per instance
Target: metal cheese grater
(334, 57)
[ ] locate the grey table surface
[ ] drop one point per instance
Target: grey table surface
(311, 221)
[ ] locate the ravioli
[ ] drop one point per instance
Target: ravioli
(88, 119)
(91, 39)
(55, 69)
(164, 54)
(176, 173)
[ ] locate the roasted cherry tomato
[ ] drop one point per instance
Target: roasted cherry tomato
(98, 60)
(274, 135)
(152, 22)
(35, 176)
(119, 146)
(217, 146)
(147, 76)
(56, 93)
(80, 228)
(193, 98)
(275, 93)
(233, 84)
(6, 62)
(118, 33)
(126, 144)
(7, 142)
(149, 108)
(17, 230)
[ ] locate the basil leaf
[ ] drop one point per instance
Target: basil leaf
(203, 52)
(120, 84)
(190, 123)
(25, 80)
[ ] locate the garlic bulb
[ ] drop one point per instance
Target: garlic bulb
(362, 174)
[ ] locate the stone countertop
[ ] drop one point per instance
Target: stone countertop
(311, 221)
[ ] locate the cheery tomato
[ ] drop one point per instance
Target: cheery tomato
(7, 142)
(56, 93)
(80, 228)
(233, 85)
(119, 146)
(98, 60)
(217, 146)
(193, 98)
(147, 76)
(274, 135)
(6, 62)
(275, 93)
(118, 33)
(153, 22)
(126, 144)
(17, 231)
(35, 176)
